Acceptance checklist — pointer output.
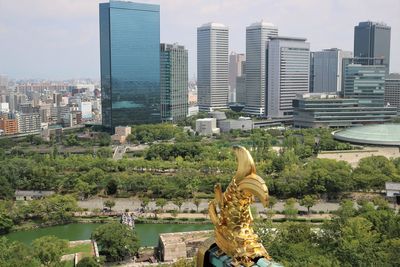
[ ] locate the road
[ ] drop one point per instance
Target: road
(121, 204)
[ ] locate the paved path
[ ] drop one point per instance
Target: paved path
(119, 152)
(353, 157)
(121, 204)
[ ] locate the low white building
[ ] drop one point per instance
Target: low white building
(207, 126)
(392, 189)
(243, 124)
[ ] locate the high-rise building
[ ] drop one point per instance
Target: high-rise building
(130, 63)
(241, 85)
(28, 122)
(174, 82)
(372, 40)
(257, 35)
(212, 66)
(364, 82)
(311, 77)
(235, 70)
(392, 90)
(327, 70)
(288, 74)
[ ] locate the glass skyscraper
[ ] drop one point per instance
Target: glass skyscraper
(372, 40)
(130, 63)
(174, 82)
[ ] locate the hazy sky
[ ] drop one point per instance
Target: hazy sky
(59, 39)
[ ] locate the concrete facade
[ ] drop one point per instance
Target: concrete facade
(243, 124)
(212, 66)
(207, 126)
(173, 246)
(257, 36)
(288, 74)
(327, 70)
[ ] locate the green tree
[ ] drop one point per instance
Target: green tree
(112, 187)
(88, 262)
(161, 202)
(116, 241)
(272, 201)
(197, 203)
(6, 190)
(178, 202)
(290, 209)
(109, 203)
(14, 254)
(358, 245)
(55, 208)
(6, 223)
(308, 201)
(49, 249)
(104, 152)
(145, 202)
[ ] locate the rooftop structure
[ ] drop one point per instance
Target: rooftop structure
(383, 134)
(173, 246)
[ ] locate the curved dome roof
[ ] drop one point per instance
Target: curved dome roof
(381, 134)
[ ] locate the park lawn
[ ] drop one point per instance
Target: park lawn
(69, 263)
(86, 249)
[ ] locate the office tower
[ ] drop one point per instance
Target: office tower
(364, 82)
(174, 82)
(372, 40)
(327, 70)
(257, 35)
(130, 63)
(241, 85)
(212, 66)
(392, 90)
(235, 70)
(288, 74)
(311, 77)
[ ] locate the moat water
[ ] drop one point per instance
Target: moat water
(148, 233)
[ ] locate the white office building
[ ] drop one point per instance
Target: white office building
(257, 36)
(212, 66)
(288, 74)
(327, 72)
(86, 109)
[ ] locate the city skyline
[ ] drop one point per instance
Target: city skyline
(59, 39)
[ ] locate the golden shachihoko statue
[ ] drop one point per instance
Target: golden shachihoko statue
(231, 216)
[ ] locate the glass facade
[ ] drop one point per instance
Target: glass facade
(318, 110)
(174, 82)
(130, 63)
(372, 39)
(365, 83)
